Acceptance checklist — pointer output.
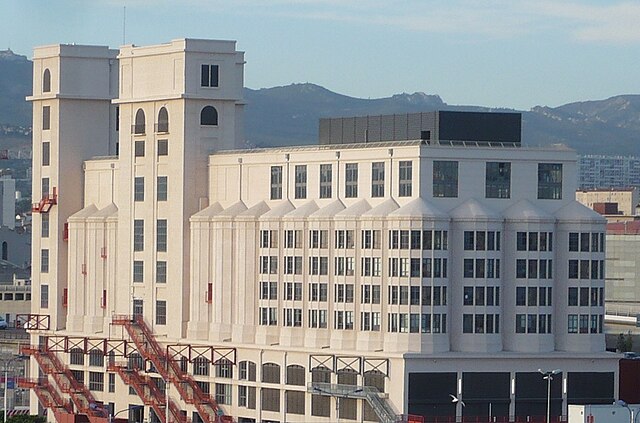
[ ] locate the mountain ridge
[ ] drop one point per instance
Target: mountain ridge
(289, 114)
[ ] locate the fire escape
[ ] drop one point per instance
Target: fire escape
(83, 400)
(148, 392)
(46, 202)
(382, 408)
(49, 397)
(170, 370)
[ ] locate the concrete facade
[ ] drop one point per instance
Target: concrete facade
(362, 264)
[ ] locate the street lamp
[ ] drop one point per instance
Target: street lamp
(134, 407)
(632, 415)
(457, 400)
(6, 378)
(548, 376)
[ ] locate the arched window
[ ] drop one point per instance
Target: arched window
(163, 120)
(295, 375)
(209, 116)
(139, 127)
(271, 373)
(46, 81)
(5, 250)
(201, 366)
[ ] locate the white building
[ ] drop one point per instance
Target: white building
(291, 283)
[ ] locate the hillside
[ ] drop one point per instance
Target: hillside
(15, 85)
(289, 115)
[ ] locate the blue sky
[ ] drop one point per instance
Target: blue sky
(496, 53)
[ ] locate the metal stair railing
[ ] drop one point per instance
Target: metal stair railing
(150, 349)
(148, 392)
(79, 394)
(47, 395)
(371, 394)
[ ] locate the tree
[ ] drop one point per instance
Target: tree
(25, 419)
(625, 343)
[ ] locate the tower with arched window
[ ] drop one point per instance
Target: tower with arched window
(73, 120)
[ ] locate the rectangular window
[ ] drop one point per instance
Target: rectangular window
(326, 177)
(163, 147)
(46, 117)
(44, 260)
(469, 240)
(549, 181)
(572, 324)
(445, 179)
(161, 272)
(301, 181)
(112, 382)
(161, 312)
(521, 296)
(521, 268)
(351, 180)
(521, 241)
(377, 179)
(139, 149)
(96, 381)
(46, 153)
(209, 75)
(573, 241)
(276, 182)
(405, 178)
(498, 180)
(44, 225)
(521, 323)
(584, 241)
(45, 187)
(138, 235)
(162, 188)
(44, 296)
(138, 270)
(161, 242)
(138, 188)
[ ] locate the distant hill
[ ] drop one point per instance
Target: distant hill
(15, 85)
(289, 115)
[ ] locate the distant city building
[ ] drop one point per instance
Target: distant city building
(7, 201)
(597, 172)
(15, 299)
(611, 202)
(15, 249)
(623, 266)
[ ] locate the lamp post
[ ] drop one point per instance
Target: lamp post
(632, 415)
(6, 379)
(548, 376)
(457, 400)
(135, 407)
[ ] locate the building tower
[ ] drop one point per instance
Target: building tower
(73, 120)
(178, 103)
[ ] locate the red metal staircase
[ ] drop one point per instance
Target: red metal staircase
(148, 392)
(49, 397)
(81, 397)
(188, 388)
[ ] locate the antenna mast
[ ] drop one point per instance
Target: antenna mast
(124, 24)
